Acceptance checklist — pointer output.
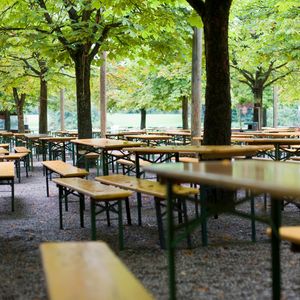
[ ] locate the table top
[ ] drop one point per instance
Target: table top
(150, 137)
(3, 151)
(7, 170)
(276, 178)
(268, 141)
(88, 270)
(36, 136)
(110, 144)
(57, 138)
(215, 151)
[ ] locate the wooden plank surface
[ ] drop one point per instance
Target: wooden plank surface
(109, 144)
(288, 233)
(88, 271)
(64, 169)
(7, 170)
(149, 187)
(277, 178)
(93, 189)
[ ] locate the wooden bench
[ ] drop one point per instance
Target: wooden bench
(88, 270)
(21, 149)
(290, 234)
(7, 176)
(103, 196)
(61, 168)
(6, 146)
(152, 188)
(17, 158)
(129, 165)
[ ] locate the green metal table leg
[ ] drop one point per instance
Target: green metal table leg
(170, 239)
(253, 228)
(203, 214)
(275, 242)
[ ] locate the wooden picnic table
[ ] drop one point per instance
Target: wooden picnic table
(7, 176)
(149, 138)
(56, 146)
(102, 146)
(203, 152)
(275, 178)
(280, 145)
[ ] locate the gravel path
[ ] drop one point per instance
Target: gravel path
(231, 267)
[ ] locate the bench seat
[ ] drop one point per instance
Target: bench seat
(144, 186)
(152, 188)
(288, 233)
(88, 270)
(63, 169)
(21, 150)
(100, 196)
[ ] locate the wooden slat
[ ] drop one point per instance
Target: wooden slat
(7, 170)
(13, 156)
(21, 150)
(64, 169)
(288, 233)
(88, 270)
(93, 189)
(145, 186)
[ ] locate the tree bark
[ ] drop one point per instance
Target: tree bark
(7, 120)
(217, 122)
(143, 118)
(43, 117)
(275, 106)
(103, 96)
(185, 112)
(258, 110)
(83, 94)
(19, 101)
(196, 85)
(62, 109)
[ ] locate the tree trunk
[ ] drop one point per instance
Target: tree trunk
(196, 85)
(103, 96)
(275, 106)
(83, 94)
(258, 112)
(19, 108)
(217, 122)
(185, 112)
(43, 117)
(7, 120)
(143, 118)
(62, 109)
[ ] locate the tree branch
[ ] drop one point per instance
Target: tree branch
(102, 38)
(198, 6)
(248, 76)
(246, 82)
(276, 79)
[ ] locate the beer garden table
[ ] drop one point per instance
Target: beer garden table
(102, 146)
(278, 143)
(276, 178)
(7, 176)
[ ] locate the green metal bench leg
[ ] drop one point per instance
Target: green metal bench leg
(120, 223)
(60, 199)
(253, 228)
(203, 213)
(93, 220)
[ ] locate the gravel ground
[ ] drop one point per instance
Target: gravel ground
(231, 267)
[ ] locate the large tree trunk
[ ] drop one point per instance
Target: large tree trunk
(103, 96)
(185, 112)
(43, 117)
(258, 111)
(19, 101)
(143, 118)
(275, 106)
(196, 85)
(83, 94)
(217, 122)
(7, 120)
(62, 109)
